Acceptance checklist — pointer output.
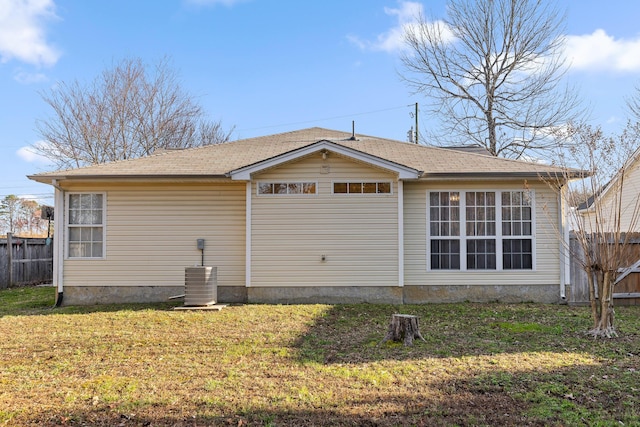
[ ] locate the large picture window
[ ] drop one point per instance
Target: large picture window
(85, 225)
(480, 230)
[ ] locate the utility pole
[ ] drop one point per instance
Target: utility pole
(417, 133)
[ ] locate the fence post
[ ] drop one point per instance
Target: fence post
(10, 259)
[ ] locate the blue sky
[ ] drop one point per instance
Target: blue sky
(267, 66)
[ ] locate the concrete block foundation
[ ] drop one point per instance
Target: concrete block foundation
(90, 295)
(427, 294)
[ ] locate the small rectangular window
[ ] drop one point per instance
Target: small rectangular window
(361, 188)
(265, 188)
(340, 188)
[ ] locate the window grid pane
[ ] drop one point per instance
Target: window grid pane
(517, 254)
(85, 209)
(445, 254)
(445, 207)
(481, 254)
(481, 212)
(516, 213)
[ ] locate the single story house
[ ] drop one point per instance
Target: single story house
(313, 215)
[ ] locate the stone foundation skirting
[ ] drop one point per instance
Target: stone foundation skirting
(550, 294)
(325, 295)
(89, 295)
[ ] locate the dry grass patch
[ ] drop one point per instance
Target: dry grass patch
(483, 364)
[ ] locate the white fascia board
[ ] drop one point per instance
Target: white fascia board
(404, 172)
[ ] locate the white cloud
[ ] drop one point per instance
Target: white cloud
(29, 155)
(22, 31)
(392, 40)
(29, 78)
(601, 52)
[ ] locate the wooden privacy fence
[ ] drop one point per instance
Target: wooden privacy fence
(25, 261)
(626, 292)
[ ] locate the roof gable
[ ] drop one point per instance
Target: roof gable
(404, 172)
(629, 169)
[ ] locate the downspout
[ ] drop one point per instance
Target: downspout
(564, 241)
(58, 249)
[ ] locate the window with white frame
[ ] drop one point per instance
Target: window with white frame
(361, 188)
(279, 188)
(517, 245)
(480, 230)
(85, 225)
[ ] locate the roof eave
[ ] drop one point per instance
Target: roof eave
(49, 179)
(496, 175)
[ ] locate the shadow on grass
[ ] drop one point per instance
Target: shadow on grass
(353, 333)
(499, 398)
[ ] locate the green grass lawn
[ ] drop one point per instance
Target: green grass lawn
(274, 365)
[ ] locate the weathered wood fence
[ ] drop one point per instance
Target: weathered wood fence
(25, 261)
(626, 292)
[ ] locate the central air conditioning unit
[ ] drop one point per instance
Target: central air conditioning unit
(200, 286)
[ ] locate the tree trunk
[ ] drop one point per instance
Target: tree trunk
(604, 322)
(592, 283)
(403, 327)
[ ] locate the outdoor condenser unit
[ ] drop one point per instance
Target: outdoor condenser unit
(200, 286)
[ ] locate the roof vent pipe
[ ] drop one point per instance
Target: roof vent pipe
(353, 131)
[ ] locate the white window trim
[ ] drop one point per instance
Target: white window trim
(67, 225)
(498, 236)
(287, 182)
(360, 181)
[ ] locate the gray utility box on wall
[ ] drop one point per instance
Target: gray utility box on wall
(200, 286)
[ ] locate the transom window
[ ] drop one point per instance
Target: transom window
(85, 225)
(361, 188)
(464, 232)
(287, 188)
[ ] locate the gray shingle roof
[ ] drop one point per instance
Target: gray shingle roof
(220, 159)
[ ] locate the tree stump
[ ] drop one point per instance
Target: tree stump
(403, 327)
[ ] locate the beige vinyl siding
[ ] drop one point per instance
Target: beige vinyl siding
(546, 257)
(357, 233)
(629, 220)
(151, 233)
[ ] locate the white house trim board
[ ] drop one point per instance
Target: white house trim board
(248, 236)
(400, 233)
(403, 172)
(59, 243)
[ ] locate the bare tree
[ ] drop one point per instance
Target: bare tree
(606, 223)
(9, 210)
(126, 112)
(29, 220)
(633, 104)
(20, 215)
(492, 72)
